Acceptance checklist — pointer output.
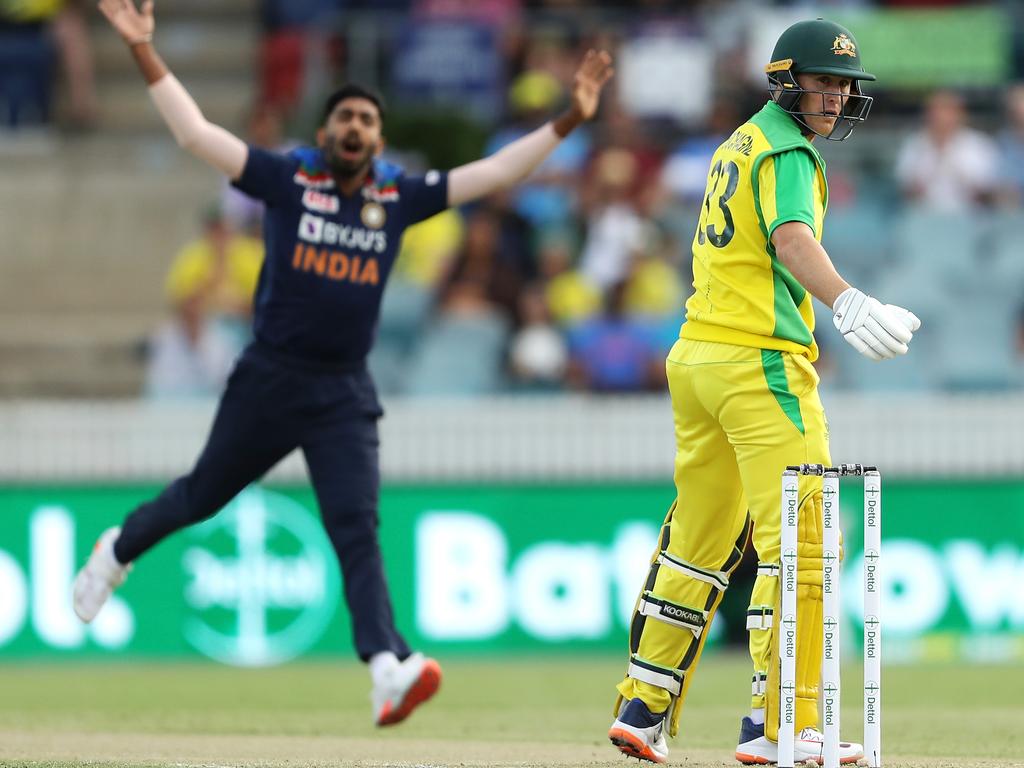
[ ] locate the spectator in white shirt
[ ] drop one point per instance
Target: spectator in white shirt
(948, 167)
(190, 355)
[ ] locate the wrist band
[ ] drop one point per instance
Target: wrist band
(146, 38)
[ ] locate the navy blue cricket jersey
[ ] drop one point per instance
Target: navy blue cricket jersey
(328, 256)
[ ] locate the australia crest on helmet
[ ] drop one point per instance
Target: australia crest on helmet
(844, 46)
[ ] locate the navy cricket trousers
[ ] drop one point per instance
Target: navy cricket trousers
(272, 405)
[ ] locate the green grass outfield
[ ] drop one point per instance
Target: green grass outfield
(523, 712)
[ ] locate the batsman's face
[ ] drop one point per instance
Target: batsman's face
(351, 137)
(827, 96)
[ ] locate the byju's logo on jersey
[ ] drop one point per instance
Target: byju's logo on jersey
(262, 585)
(311, 228)
(318, 201)
(314, 229)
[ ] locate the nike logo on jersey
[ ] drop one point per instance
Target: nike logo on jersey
(384, 192)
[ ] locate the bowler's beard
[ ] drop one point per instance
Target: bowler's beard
(342, 168)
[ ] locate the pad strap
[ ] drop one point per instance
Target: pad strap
(717, 579)
(768, 569)
(760, 616)
(648, 672)
(677, 615)
(758, 683)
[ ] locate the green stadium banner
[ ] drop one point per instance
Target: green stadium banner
(475, 569)
(933, 48)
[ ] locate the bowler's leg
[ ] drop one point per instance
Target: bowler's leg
(248, 437)
(244, 442)
(342, 457)
(341, 451)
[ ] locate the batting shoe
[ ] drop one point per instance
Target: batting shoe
(754, 748)
(100, 576)
(404, 687)
(640, 733)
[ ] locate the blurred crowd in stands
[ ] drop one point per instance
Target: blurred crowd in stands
(577, 279)
(38, 37)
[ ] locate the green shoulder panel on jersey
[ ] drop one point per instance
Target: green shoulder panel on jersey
(788, 179)
(782, 132)
(791, 194)
(783, 135)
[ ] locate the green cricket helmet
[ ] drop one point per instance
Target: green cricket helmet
(819, 47)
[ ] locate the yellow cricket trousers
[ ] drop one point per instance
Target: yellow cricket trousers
(741, 416)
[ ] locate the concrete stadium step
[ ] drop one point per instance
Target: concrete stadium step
(211, 45)
(71, 355)
(189, 47)
(125, 106)
(135, 289)
(94, 224)
(86, 371)
(52, 330)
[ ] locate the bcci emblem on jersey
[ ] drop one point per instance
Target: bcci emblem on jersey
(373, 215)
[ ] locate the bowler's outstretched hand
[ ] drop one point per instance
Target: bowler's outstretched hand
(590, 78)
(133, 25)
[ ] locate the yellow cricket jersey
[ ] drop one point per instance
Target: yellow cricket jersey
(28, 11)
(762, 176)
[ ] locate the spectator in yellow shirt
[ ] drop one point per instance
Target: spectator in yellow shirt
(223, 267)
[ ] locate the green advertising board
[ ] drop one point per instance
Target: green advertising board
(933, 48)
(513, 568)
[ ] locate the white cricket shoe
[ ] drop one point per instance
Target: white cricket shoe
(809, 746)
(404, 687)
(639, 733)
(100, 576)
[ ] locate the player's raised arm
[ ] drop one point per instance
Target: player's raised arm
(515, 161)
(193, 132)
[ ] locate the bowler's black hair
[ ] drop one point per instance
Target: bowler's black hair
(352, 91)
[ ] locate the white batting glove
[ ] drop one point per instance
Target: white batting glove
(878, 331)
(908, 318)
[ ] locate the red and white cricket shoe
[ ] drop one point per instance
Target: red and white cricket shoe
(404, 687)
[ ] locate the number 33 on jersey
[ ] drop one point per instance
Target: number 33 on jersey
(762, 176)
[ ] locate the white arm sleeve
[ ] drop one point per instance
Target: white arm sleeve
(510, 164)
(194, 133)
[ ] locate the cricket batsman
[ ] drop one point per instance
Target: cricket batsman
(745, 403)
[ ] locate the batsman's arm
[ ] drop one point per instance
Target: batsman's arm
(807, 261)
(516, 161)
(193, 132)
(878, 331)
